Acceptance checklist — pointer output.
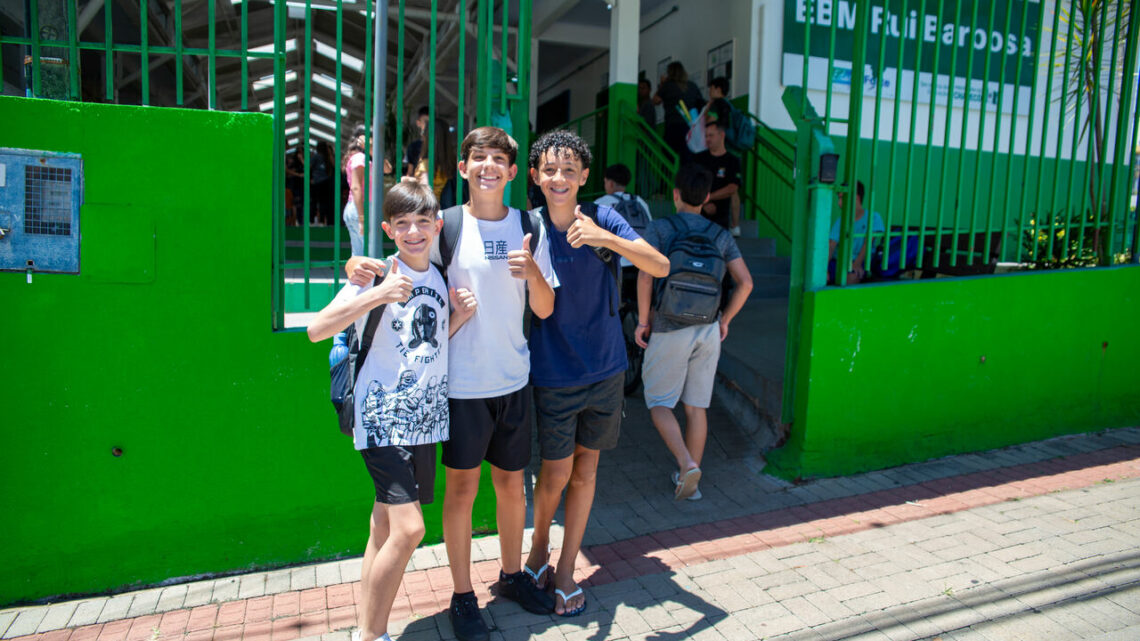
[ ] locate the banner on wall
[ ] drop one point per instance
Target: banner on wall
(965, 33)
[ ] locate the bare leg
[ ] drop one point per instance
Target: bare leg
(458, 497)
(552, 479)
(670, 431)
(696, 431)
(579, 500)
(380, 581)
(510, 514)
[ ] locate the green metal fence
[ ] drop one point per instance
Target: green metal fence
(984, 132)
(309, 63)
(768, 190)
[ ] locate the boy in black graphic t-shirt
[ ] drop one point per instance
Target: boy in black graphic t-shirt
(401, 391)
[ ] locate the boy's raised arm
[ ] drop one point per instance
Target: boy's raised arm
(340, 313)
(584, 231)
(523, 266)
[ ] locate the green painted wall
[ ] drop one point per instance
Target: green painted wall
(890, 374)
(162, 346)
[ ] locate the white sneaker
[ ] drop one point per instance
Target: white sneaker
(695, 496)
(735, 231)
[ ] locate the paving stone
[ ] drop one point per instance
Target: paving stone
(172, 597)
(26, 622)
(278, 581)
(116, 608)
(86, 612)
(226, 589)
(58, 616)
(145, 602)
(198, 593)
(303, 578)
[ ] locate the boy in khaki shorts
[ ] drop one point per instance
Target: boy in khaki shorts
(680, 360)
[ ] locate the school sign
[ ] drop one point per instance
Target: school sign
(992, 42)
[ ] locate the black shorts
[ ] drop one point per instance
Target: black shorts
(496, 430)
(586, 415)
(402, 473)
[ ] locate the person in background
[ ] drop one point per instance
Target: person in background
(674, 89)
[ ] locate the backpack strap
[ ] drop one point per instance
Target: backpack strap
(449, 236)
(610, 258)
(530, 221)
(372, 323)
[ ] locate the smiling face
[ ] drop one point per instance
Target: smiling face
(413, 234)
(559, 174)
(487, 169)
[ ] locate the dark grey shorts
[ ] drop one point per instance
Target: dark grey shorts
(586, 415)
(402, 473)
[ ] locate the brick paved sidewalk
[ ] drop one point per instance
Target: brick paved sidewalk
(900, 554)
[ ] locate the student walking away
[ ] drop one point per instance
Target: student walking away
(502, 256)
(725, 170)
(443, 182)
(578, 354)
(400, 393)
(632, 208)
(682, 329)
(675, 92)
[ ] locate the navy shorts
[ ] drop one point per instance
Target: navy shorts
(586, 415)
(496, 430)
(402, 473)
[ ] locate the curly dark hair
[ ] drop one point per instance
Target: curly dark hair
(560, 140)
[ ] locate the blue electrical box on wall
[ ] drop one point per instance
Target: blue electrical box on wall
(40, 195)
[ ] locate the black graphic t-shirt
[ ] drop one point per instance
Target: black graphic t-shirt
(401, 393)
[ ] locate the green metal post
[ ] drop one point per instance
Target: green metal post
(930, 137)
(178, 52)
(34, 34)
(980, 145)
(277, 219)
(854, 135)
(73, 44)
(1116, 203)
(460, 121)
(245, 59)
(1029, 130)
(1038, 214)
(946, 139)
(305, 135)
(888, 219)
(109, 53)
(962, 143)
(144, 37)
(337, 136)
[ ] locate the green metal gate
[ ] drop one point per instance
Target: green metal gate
(309, 63)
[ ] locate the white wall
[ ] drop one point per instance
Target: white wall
(686, 35)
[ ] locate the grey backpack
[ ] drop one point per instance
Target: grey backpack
(690, 294)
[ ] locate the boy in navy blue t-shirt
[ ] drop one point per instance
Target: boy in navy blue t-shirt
(578, 355)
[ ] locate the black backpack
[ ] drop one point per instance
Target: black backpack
(691, 293)
(345, 371)
(453, 226)
(632, 212)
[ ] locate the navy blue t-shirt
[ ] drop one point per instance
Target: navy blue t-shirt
(580, 343)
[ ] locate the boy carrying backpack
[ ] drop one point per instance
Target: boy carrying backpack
(681, 354)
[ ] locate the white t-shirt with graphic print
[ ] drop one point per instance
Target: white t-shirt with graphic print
(401, 393)
(489, 352)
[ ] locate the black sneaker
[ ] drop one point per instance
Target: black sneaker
(520, 588)
(465, 618)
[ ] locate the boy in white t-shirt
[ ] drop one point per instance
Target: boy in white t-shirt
(401, 391)
(490, 399)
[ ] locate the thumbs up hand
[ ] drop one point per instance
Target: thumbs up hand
(395, 288)
(584, 231)
(521, 262)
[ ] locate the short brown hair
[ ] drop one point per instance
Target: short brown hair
(409, 196)
(492, 137)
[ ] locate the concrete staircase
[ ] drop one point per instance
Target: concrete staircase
(750, 375)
